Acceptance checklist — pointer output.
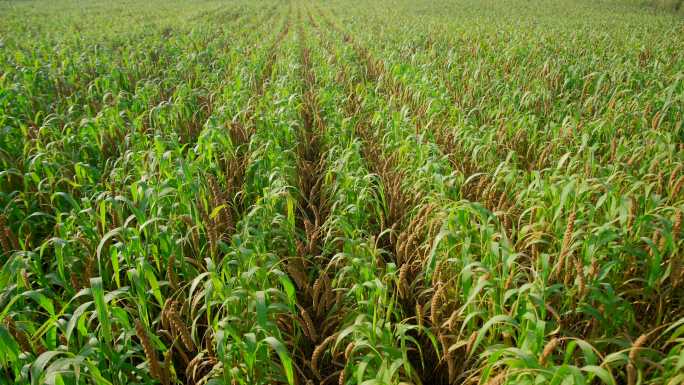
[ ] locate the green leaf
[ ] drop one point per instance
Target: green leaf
(39, 365)
(101, 308)
(261, 309)
(284, 358)
(74, 318)
(9, 349)
(605, 376)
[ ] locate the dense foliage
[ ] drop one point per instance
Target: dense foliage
(398, 192)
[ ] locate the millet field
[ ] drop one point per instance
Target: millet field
(309, 192)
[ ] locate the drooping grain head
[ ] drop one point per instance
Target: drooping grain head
(548, 350)
(150, 353)
(318, 352)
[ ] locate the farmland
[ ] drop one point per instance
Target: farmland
(396, 192)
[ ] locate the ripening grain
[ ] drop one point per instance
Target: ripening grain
(395, 192)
